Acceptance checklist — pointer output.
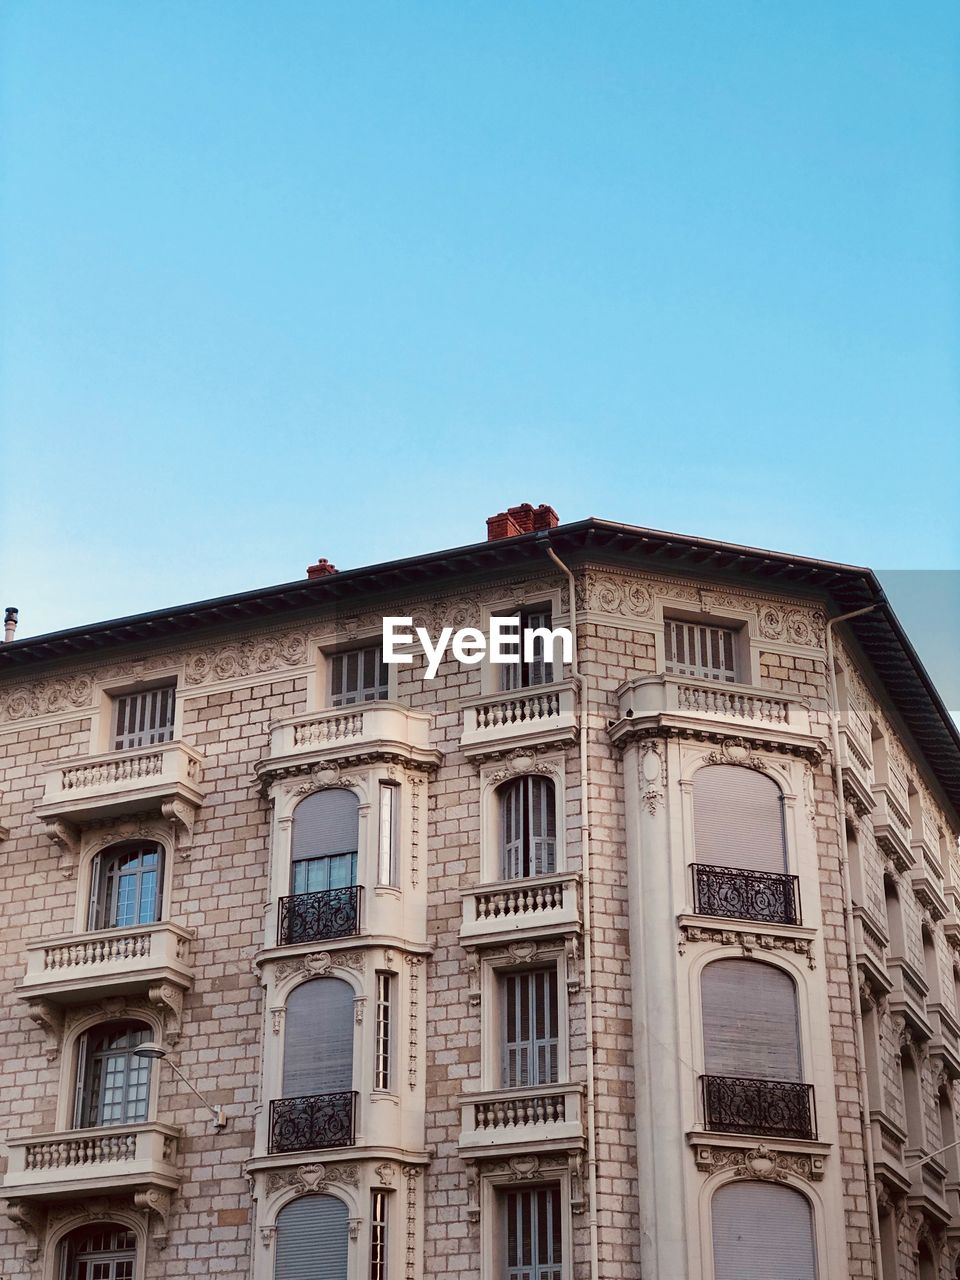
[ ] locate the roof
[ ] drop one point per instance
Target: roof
(844, 588)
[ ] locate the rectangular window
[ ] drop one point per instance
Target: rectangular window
(388, 868)
(318, 875)
(382, 1064)
(531, 1041)
(378, 1235)
(144, 719)
(706, 653)
(357, 675)
(540, 669)
(534, 1234)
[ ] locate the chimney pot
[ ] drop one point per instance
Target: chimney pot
(522, 519)
(322, 569)
(10, 617)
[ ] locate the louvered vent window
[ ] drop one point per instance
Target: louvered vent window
(312, 1239)
(144, 719)
(762, 1231)
(706, 653)
(531, 1041)
(534, 1234)
(528, 828)
(358, 675)
(539, 670)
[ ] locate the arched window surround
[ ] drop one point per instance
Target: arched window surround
(94, 844)
(495, 776)
(346, 1194)
(70, 1061)
(715, 1185)
(56, 1239)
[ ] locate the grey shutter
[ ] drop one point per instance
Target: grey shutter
(750, 1024)
(528, 828)
(543, 826)
(539, 670)
(531, 1044)
(312, 1242)
(318, 1039)
(738, 819)
(762, 1231)
(511, 830)
(326, 822)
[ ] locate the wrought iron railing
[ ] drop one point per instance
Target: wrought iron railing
(312, 1123)
(312, 917)
(746, 895)
(773, 1108)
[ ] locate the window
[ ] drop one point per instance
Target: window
(912, 1098)
(534, 1234)
(358, 675)
(751, 1047)
(113, 1084)
(528, 828)
(125, 886)
(326, 828)
(762, 1231)
(388, 860)
(378, 1235)
(317, 1106)
(894, 912)
(103, 1252)
(692, 649)
(381, 1072)
(312, 1239)
(539, 670)
(531, 1041)
(144, 719)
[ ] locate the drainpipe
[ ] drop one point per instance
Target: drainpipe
(587, 925)
(852, 967)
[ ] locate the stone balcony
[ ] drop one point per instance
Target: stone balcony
(891, 824)
(368, 730)
(540, 715)
(908, 996)
(76, 967)
(521, 1121)
(687, 707)
(857, 767)
(81, 1163)
(168, 778)
(538, 906)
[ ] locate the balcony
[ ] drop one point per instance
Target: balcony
(78, 967)
(687, 706)
(366, 729)
(891, 826)
(908, 996)
(315, 917)
(766, 1108)
(313, 1123)
(536, 906)
(732, 893)
(532, 1119)
(88, 1162)
(96, 787)
(856, 765)
(541, 714)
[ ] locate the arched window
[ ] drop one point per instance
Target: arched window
(894, 918)
(740, 847)
(889, 1244)
(126, 886)
(325, 840)
(312, 1239)
(931, 969)
(912, 1098)
(751, 1046)
(101, 1252)
(317, 1107)
(528, 828)
(113, 1084)
(762, 1231)
(738, 819)
(948, 1133)
(871, 1050)
(926, 1266)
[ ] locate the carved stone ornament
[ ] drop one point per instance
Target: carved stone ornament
(31, 1218)
(736, 751)
(760, 1162)
(524, 760)
(748, 941)
(385, 1173)
(183, 816)
(155, 1202)
(358, 1006)
(65, 837)
(653, 778)
(320, 963)
(246, 657)
(314, 1177)
(168, 1000)
(50, 1019)
(46, 697)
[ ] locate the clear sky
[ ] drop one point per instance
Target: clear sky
(281, 280)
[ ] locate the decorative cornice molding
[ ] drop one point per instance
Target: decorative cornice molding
(760, 1162)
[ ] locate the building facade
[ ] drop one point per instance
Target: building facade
(647, 963)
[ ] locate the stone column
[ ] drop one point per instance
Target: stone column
(653, 950)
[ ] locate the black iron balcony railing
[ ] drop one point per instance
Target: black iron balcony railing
(773, 1108)
(746, 895)
(312, 1123)
(312, 917)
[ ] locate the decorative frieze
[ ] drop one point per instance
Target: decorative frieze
(764, 1163)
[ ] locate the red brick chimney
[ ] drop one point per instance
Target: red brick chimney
(522, 519)
(322, 569)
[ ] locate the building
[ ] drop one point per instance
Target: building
(648, 963)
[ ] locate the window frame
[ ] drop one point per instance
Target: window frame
(80, 1111)
(157, 735)
(98, 900)
(531, 1048)
(491, 1202)
(384, 1031)
(335, 656)
(492, 966)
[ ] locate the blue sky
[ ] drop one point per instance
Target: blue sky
(282, 280)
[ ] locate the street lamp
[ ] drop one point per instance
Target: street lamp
(151, 1050)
